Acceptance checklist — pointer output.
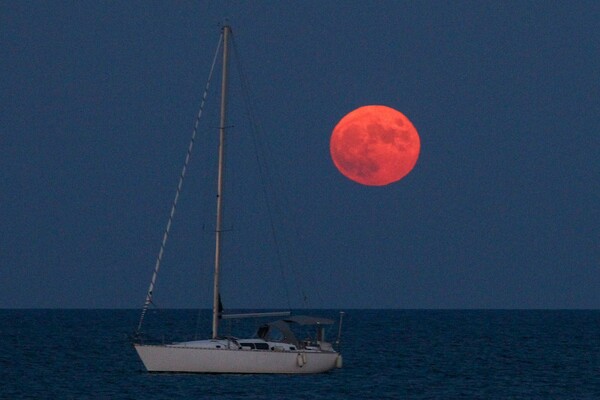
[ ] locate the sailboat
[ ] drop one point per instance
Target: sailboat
(275, 348)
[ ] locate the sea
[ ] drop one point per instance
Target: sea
(388, 354)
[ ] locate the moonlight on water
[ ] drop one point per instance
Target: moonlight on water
(375, 145)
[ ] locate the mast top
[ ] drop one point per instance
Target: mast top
(225, 25)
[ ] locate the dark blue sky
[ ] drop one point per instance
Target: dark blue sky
(97, 104)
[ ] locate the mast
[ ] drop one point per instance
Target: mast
(222, 123)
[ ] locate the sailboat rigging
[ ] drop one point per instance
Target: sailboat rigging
(275, 347)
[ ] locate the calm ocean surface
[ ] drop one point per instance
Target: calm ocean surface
(86, 354)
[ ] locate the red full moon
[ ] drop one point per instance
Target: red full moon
(375, 145)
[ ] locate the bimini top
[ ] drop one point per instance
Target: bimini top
(283, 326)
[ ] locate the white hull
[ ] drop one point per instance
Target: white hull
(163, 358)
